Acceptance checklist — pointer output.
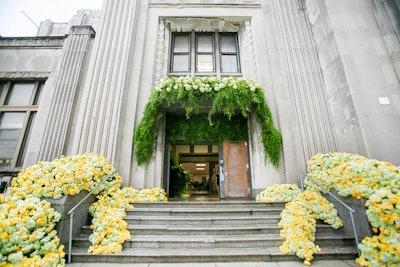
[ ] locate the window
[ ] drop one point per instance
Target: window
(18, 107)
(200, 54)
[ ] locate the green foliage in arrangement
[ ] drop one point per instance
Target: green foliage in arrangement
(231, 97)
(179, 178)
(180, 128)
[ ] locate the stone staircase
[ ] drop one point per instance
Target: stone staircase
(224, 231)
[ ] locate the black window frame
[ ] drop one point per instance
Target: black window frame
(30, 110)
(193, 54)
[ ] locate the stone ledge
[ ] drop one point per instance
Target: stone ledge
(361, 222)
(81, 214)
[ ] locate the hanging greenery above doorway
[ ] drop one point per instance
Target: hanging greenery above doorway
(227, 96)
(179, 128)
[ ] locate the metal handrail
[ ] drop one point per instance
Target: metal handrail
(71, 212)
(325, 190)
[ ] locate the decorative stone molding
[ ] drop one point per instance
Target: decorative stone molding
(82, 29)
(201, 24)
(24, 74)
(249, 46)
(207, 2)
(29, 42)
(159, 60)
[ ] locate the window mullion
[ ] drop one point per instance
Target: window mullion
(217, 55)
(20, 140)
(5, 93)
(34, 93)
(192, 53)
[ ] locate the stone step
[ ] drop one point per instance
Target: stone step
(145, 229)
(199, 255)
(196, 220)
(178, 232)
(214, 241)
(210, 204)
(204, 211)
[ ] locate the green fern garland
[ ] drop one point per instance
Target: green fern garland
(229, 96)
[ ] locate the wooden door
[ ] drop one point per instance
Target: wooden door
(236, 172)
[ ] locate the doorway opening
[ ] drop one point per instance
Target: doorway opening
(194, 170)
(208, 161)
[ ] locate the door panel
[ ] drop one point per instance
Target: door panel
(236, 169)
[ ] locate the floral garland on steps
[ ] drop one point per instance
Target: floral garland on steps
(377, 182)
(350, 175)
(27, 223)
(298, 219)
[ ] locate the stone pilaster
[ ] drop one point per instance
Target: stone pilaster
(304, 78)
(98, 127)
(75, 48)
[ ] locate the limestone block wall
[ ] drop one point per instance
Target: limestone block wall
(360, 75)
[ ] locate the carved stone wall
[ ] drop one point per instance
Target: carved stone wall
(24, 75)
(32, 41)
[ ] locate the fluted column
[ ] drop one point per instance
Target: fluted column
(304, 77)
(75, 49)
(99, 126)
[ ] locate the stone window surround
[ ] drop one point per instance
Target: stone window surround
(167, 25)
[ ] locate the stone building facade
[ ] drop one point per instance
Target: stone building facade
(329, 68)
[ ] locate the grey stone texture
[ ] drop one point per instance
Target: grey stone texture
(80, 215)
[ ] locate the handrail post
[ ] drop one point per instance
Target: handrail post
(355, 232)
(71, 213)
(71, 222)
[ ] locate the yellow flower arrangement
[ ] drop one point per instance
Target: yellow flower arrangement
(155, 194)
(376, 181)
(279, 193)
(63, 176)
(27, 235)
(108, 225)
(298, 221)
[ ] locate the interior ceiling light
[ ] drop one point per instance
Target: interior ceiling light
(200, 169)
(201, 164)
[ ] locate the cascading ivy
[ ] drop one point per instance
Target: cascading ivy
(229, 96)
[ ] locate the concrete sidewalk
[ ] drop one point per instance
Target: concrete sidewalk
(324, 263)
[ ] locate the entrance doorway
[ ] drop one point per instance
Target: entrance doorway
(200, 163)
(199, 159)
(210, 170)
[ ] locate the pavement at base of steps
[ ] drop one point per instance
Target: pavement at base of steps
(321, 263)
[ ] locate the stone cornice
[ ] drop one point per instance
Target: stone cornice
(24, 74)
(32, 41)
